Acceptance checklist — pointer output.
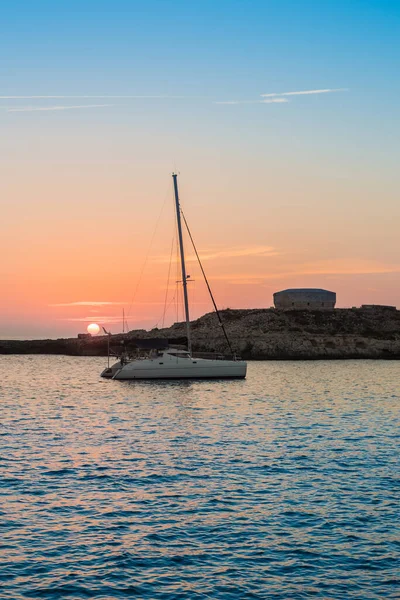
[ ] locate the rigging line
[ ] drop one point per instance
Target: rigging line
(168, 279)
(168, 306)
(167, 290)
(207, 284)
(148, 252)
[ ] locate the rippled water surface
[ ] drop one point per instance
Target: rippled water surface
(285, 485)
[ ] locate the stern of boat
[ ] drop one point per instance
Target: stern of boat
(110, 372)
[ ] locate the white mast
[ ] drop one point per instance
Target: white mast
(183, 266)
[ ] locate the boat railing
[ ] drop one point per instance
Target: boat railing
(139, 354)
(215, 356)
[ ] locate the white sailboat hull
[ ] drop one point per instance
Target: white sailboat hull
(169, 367)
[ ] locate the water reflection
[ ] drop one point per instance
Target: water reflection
(281, 486)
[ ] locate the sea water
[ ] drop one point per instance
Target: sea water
(284, 485)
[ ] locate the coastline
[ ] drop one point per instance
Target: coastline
(258, 334)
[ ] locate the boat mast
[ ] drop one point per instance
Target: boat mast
(184, 277)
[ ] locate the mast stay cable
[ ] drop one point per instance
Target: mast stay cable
(148, 253)
(207, 284)
(168, 279)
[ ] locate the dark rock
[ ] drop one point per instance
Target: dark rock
(258, 334)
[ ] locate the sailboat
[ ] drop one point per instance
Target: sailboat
(164, 362)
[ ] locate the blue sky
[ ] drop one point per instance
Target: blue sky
(212, 48)
(211, 51)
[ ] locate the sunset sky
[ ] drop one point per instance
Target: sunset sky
(282, 119)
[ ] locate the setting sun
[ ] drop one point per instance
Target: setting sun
(93, 328)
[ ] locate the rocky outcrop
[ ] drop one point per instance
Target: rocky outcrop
(270, 334)
(260, 334)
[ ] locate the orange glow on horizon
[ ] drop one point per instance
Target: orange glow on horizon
(284, 237)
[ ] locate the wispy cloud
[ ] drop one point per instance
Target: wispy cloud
(101, 304)
(102, 319)
(281, 97)
(47, 108)
(90, 303)
(215, 254)
(238, 252)
(305, 92)
(274, 101)
(85, 97)
(238, 102)
(271, 101)
(242, 278)
(348, 267)
(271, 98)
(343, 267)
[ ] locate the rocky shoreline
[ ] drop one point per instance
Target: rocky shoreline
(259, 334)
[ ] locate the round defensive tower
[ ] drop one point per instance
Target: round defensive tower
(305, 298)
